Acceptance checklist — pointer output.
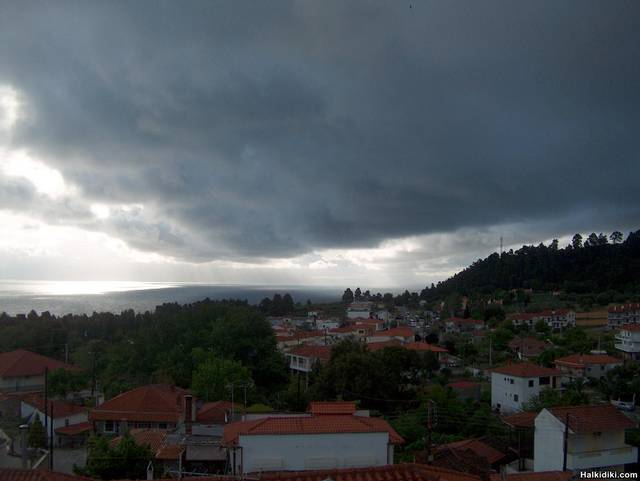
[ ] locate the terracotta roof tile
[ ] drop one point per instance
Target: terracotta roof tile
(392, 472)
(540, 476)
(170, 452)
(152, 403)
(521, 420)
(401, 331)
(424, 346)
(325, 424)
(583, 360)
(218, 412)
(37, 475)
(154, 438)
(625, 308)
(526, 369)
(74, 429)
(323, 353)
(630, 327)
(478, 447)
(332, 408)
(27, 363)
(590, 419)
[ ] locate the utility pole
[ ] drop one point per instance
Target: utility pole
(46, 395)
(66, 353)
(430, 424)
(565, 442)
(50, 435)
(490, 350)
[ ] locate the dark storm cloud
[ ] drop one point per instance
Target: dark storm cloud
(260, 130)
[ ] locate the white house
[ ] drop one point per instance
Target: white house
(331, 436)
(65, 414)
(618, 316)
(359, 309)
(514, 385)
(326, 324)
(555, 319)
(593, 366)
(628, 341)
(303, 358)
(595, 439)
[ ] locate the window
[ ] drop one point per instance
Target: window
(515, 397)
(530, 382)
(162, 425)
(511, 381)
(544, 381)
(109, 426)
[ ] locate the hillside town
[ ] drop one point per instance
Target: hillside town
(546, 395)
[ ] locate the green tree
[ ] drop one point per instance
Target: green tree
(127, 460)
(62, 382)
(37, 437)
(576, 241)
(347, 297)
(616, 237)
(213, 376)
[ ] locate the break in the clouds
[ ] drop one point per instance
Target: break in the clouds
(289, 141)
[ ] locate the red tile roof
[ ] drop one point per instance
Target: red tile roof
(325, 424)
(152, 403)
(590, 419)
(540, 476)
(401, 331)
(521, 420)
(75, 429)
(390, 472)
(170, 452)
(583, 360)
(630, 327)
(218, 412)
(322, 353)
(316, 408)
(154, 438)
(424, 346)
(61, 409)
(476, 446)
(26, 363)
(526, 369)
(38, 475)
(528, 346)
(625, 307)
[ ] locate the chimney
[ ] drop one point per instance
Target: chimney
(188, 413)
(23, 444)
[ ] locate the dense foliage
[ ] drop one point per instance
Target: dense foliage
(125, 350)
(599, 264)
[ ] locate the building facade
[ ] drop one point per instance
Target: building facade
(514, 385)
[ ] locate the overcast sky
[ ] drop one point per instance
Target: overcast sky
(379, 143)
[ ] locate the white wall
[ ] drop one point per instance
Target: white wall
(504, 393)
(548, 443)
(312, 451)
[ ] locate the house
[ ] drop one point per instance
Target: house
(401, 333)
(326, 324)
(595, 438)
(74, 435)
(376, 324)
(526, 348)
(618, 316)
(217, 413)
(457, 325)
(592, 366)
(361, 332)
(514, 385)
(491, 457)
(303, 358)
(65, 415)
(297, 337)
(23, 371)
(359, 310)
(155, 406)
(628, 341)
(331, 436)
(421, 347)
(555, 319)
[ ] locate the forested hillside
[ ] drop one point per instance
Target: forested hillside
(596, 264)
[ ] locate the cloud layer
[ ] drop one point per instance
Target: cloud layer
(247, 132)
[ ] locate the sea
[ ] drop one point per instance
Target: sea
(74, 297)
